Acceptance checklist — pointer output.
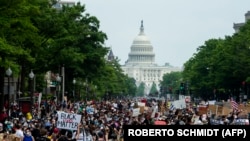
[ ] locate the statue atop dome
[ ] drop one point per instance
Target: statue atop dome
(142, 28)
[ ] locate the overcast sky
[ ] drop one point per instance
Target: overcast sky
(176, 28)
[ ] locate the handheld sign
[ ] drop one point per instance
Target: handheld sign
(68, 121)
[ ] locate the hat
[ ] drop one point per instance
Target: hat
(56, 130)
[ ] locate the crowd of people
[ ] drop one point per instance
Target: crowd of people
(100, 120)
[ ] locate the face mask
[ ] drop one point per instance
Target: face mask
(28, 133)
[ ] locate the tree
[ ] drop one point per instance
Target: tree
(170, 82)
(220, 66)
(153, 90)
(34, 35)
(18, 36)
(74, 38)
(141, 89)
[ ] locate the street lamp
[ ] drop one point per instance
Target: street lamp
(95, 90)
(74, 82)
(31, 76)
(46, 78)
(58, 79)
(9, 73)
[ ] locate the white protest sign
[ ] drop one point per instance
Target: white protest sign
(179, 104)
(136, 112)
(241, 122)
(68, 121)
(181, 97)
(141, 104)
(212, 102)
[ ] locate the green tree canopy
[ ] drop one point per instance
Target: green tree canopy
(141, 89)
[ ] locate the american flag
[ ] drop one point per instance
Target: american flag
(234, 105)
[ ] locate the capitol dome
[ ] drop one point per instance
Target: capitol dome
(141, 38)
(141, 50)
(141, 65)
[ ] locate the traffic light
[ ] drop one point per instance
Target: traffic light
(182, 86)
(54, 83)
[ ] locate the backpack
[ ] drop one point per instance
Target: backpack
(27, 138)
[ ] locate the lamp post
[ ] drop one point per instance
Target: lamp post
(58, 79)
(95, 90)
(9, 73)
(74, 82)
(31, 76)
(46, 78)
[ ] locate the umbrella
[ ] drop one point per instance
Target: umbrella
(160, 122)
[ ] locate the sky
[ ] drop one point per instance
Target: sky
(176, 28)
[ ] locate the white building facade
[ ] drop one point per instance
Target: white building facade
(141, 63)
(237, 26)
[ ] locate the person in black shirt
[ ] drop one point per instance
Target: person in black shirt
(62, 135)
(36, 132)
(43, 135)
(70, 135)
(43, 112)
(14, 114)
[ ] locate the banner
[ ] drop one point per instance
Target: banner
(68, 121)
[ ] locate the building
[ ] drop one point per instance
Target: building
(141, 63)
(110, 56)
(237, 26)
(68, 3)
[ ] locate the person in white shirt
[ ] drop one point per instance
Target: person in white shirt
(79, 134)
(19, 131)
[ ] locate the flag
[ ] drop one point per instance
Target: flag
(234, 105)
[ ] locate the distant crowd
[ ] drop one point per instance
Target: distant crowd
(100, 120)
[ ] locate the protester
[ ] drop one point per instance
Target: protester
(19, 132)
(104, 120)
(43, 135)
(28, 136)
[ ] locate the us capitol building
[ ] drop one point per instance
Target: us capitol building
(141, 63)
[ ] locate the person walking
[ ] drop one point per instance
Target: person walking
(28, 136)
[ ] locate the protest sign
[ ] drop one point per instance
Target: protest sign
(141, 104)
(215, 122)
(68, 121)
(90, 110)
(241, 122)
(179, 104)
(136, 112)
